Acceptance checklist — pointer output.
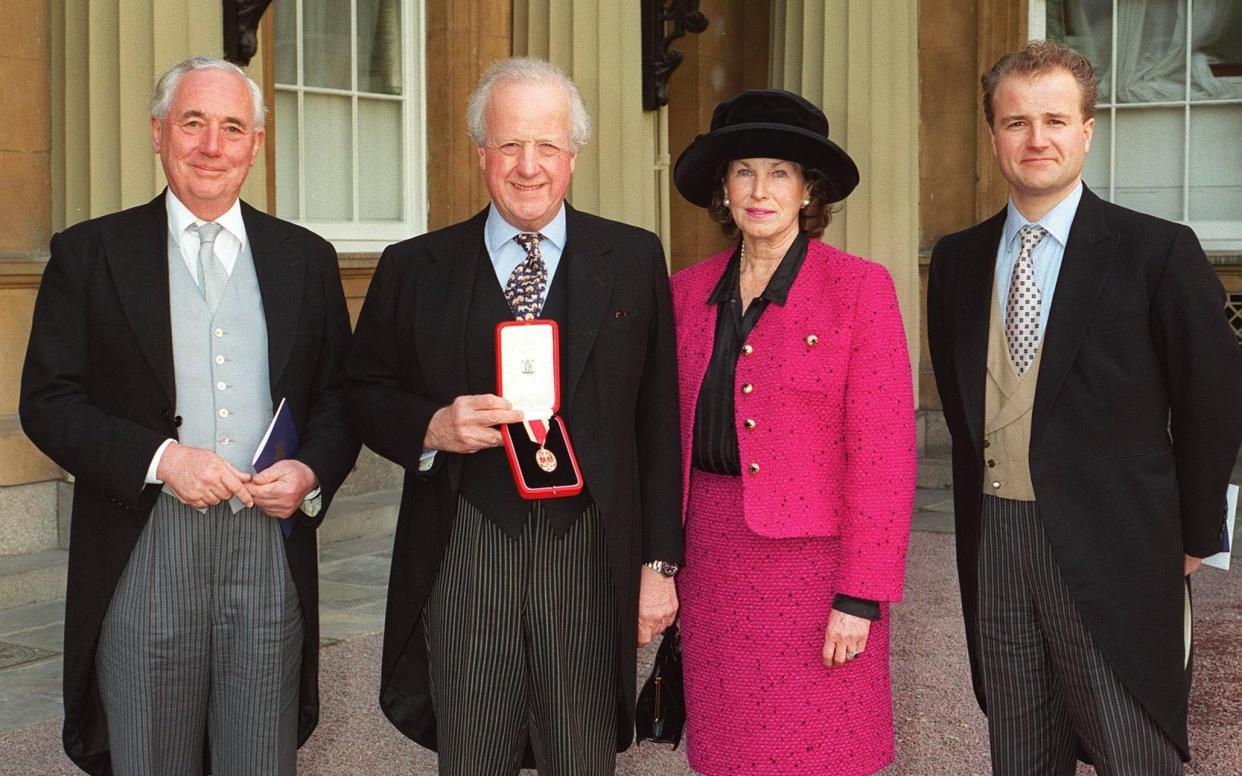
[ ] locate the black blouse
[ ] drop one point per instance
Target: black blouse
(714, 446)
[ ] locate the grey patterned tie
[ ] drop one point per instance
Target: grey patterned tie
(211, 275)
(524, 291)
(1023, 303)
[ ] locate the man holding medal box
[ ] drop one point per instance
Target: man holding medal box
(525, 565)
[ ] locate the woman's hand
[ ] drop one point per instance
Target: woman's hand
(845, 638)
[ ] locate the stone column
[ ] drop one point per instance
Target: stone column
(27, 492)
(463, 38)
(106, 55)
(858, 60)
(599, 44)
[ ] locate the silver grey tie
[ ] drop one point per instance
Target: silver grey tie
(1024, 302)
(211, 275)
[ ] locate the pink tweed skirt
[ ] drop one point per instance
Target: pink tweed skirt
(760, 701)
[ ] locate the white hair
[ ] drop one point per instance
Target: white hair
(166, 87)
(525, 70)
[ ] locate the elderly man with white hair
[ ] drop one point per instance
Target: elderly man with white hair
(165, 338)
(512, 621)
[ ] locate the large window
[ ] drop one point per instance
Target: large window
(349, 119)
(1168, 131)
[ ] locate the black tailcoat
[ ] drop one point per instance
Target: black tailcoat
(1134, 432)
(618, 398)
(98, 397)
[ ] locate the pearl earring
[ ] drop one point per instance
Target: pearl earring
(806, 202)
(725, 202)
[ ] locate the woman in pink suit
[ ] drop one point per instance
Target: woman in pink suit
(798, 451)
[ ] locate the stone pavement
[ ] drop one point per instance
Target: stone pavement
(938, 726)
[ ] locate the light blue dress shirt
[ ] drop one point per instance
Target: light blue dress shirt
(506, 254)
(1046, 256)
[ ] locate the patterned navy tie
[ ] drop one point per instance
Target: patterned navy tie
(1023, 303)
(524, 291)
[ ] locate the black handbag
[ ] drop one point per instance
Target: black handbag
(661, 712)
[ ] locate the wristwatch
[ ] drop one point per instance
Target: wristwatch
(312, 503)
(663, 567)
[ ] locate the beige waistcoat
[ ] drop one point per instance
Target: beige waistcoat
(1008, 403)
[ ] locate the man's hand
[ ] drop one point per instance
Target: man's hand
(200, 478)
(845, 635)
(657, 604)
(1191, 565)
(282, 487)
(467, 425)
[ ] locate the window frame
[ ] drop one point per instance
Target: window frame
(359, 235)
(1216, 236)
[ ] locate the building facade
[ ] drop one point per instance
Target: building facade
(366, 140)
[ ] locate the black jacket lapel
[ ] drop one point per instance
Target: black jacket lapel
(137, 256)
(1088, 256)
(281, 281)
(973, 319)
(590, 278)
(442, 305)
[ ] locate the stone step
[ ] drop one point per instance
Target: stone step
(40, 576)
(33, 578)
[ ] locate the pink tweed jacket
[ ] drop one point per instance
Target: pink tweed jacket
(826, 382)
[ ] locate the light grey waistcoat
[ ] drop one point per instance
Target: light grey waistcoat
(223, 389)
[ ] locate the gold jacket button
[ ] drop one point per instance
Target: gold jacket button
(750, 424)
(747, 349)
(987, 443)
(811, 340)
(748, 388)
(753, 468)
(991, 463)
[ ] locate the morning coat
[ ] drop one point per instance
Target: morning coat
(618, 399)
(98, 398)
(1134, 431)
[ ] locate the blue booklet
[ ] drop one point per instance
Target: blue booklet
(279, 442)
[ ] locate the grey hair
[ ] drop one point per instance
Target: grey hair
(166, 87)
(525, 70)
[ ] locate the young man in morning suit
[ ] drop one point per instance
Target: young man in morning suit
(164, 337)
(1091, 385)
(511, 623)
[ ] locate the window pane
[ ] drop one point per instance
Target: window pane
(1087, 27)
(1216, 50)
(287, 180)
(325, 43)
(1149, 160)
(379, 46)
(379, 160)
(1151, 51)
(329, 158)
(1095, 171)
(1216, 163)
(286, 44)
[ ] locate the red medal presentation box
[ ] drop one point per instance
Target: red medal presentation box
(528, 374)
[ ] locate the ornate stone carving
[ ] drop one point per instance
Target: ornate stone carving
(663, 22)
(241, 23)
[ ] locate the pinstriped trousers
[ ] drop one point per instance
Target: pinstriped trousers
(1047, 684)
(203, 638)
(522, 638)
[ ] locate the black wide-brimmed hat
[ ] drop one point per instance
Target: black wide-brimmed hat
(764, 124)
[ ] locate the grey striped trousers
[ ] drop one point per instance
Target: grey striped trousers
(203, 638)
(522, 638)
(1046, 682)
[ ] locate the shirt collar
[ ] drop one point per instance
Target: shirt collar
(180, 218)
(1057, 221)
(498, 231)
(779, 284)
